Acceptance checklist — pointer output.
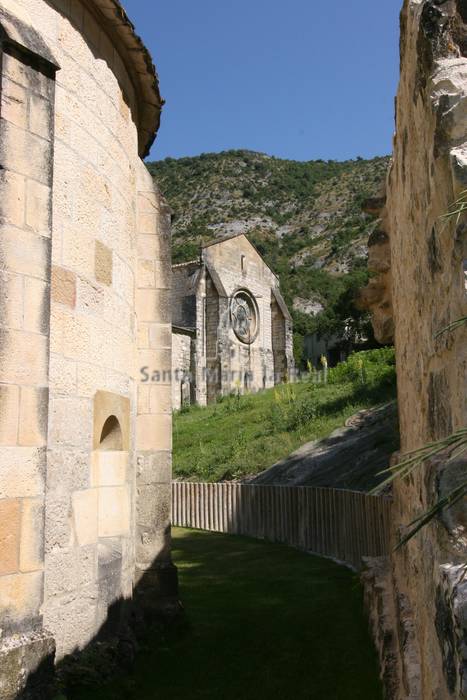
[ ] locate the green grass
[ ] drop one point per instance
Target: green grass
(243, 435)
(264, 622)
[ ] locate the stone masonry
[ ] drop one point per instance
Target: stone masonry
(232, 330)
(85, 443)
(418, 599)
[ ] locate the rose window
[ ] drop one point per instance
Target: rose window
(244, 316)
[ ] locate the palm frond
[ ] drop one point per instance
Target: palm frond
(415, 458)
(452, 326)
(457, 208)
(447, 502)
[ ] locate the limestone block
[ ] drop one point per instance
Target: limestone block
(10, 530)
(146, 274)
(32, 535)
(103, 263)
(114, 511)
(143, 335)
(90, 378)
(62, 375)
(152, 548)
(85, 516)
(154, 432)
(61, 573)
(87, 564)
(63, 286)
(78, 251)
(59, 521)
(70, 421)
(25, 153)
(146, 305)
(160, 399)
(12, 291)
(79, 335)
(154, 468)
(20, 598)
(26, 657)
(40, 116)
(151, 247)
(144, 391)
(25, 75)
(24, 252)
(148, 202)
(147, 223)
(68, 470)
(36, 305)
(33, 415)
(157, 359)
(160, 336)
(163, 275)
(108, 468)
(14, 103)
(110, 565)
(23, 357)
(38, 208)
(9, 412)
(153, 505)
(83, 142)
(21, 472)
(90, 297)
(118, 383)
(13, 193)
(153, 306)
(124, 278)
(72, 621)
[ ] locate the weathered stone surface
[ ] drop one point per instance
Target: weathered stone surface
(10, 528)
(26, 666)
(420, 294)
(81, 227)
(63, 286)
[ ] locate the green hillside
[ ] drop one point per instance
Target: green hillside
(304, 217)
(240, 436)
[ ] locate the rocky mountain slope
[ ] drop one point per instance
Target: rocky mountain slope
(304, 217)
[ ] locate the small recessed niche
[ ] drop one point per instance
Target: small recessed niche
(243, 262)
(111, 436)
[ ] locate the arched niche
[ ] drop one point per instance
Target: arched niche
(111, 435)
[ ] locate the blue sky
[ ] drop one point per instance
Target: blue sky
(300, 79)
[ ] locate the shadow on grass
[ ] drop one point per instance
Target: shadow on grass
(262, 621)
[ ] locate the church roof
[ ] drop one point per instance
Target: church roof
(140, 67)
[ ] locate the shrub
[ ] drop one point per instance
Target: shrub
(369, 367)
(289, 412)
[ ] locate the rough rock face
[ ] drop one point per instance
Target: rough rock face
(418, 256)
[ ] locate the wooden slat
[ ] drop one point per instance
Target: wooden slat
(341, 524)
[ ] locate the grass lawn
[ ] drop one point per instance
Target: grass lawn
(241, 436)
(265, 622)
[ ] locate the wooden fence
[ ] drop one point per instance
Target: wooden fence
(344, 525)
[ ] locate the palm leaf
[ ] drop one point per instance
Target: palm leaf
(415, 458)
(447, 502)
(457, 208)
(452, 326)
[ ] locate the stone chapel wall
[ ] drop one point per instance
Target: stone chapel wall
(85, 443)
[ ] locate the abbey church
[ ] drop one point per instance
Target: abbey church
(232, 331)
